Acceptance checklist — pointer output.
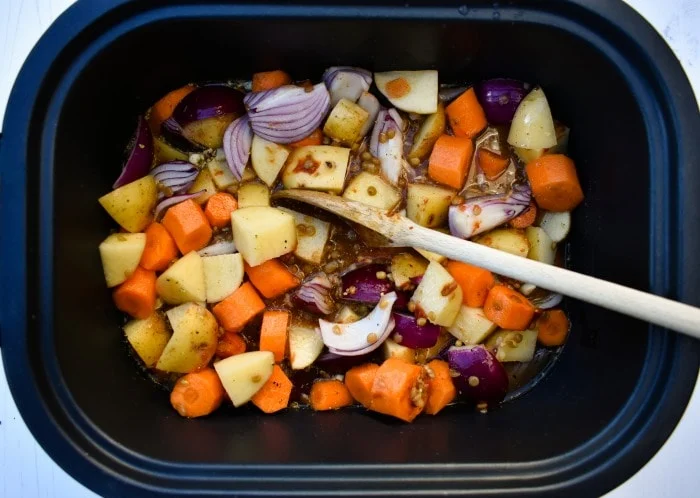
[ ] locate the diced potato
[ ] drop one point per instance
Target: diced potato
(120, 254)
(533, 126)
(305, 345)
(541, 246)
(505, 239)
(404, 267)
(204, 183)
(428, 133)
(223, 274)
(317, 167)
(511, 345)
(131, 205)
(148, 337)
(268, 159)
(243, 375)
(183, 281)
(312, 236)
(424, 355)
(430, 255)
(263, 233)
(562, 132)
(438, 295)
(370, 104)
(165, 152)
(527, 289)
(220, 172)
(410, 91)
(253, 194)
(427, 205)
(471, 325)
(372, 190)
(557, 225)
(208, 132)
(345, 122)
(346, 315)
(391, 349)
(194, 339)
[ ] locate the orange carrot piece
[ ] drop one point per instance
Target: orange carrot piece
(230, 344)
(475, 282)
(525, 219)
(137, 295)
(234, 312)
(492, 164)
(164, 108)
(450, 160)
(271, 278)
(273, 333)
(329, 395)
(316, 138)
(197, 394)
(397, 88)
(274, 395)
(160, 248)
(552, 328)
(554, 182)
(466, 116)
(267, 80)
(188, 225)
(442, 390)
(399, 389)
(219, 209)
(359, 382)
(508, 308)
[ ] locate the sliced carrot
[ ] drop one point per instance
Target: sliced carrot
(508, 308)
(164, 108)
(234, 312)
(274, 395)
(273, 333)
(359, 382)
(230, 344)
(441, 390)
(219, 209)
(188, 225)
(271, 278)
(399, 389)
(492, 164)
(466, 116)
(316, 138)
(267, 80)
(137, 295)
(197, 394)
(450, 159)
(554, 182)
(526, 218)
(552, 328)
(160, 248)
(329, 395)
(474, 281)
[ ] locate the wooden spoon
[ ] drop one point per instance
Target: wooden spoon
(404, 233)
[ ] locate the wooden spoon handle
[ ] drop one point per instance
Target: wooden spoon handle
(648, 307)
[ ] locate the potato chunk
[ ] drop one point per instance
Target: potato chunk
(263, 233)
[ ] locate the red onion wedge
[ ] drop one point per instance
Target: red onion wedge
(288, 113)
(218, 249)
(208, 101)
(314, 295)
(481, 377)
(500, 98)
(479, 214)
(363, 285)
(345, 82)
(408, 333)
(238, 139)
(333, 363)
(363, 336)
(171, 201)
(386, 144)
(549, 301)
(140, 156)
(174, 177)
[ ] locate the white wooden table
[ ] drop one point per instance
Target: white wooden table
(27, 472)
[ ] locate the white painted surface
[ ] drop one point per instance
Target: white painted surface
(25, 469)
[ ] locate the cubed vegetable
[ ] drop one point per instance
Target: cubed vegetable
(245, 374)
(509, 240)
(428, 133)
(120, 254)
(391, 349)
(428, 205)
(405, 267)
(345, 122)
(312, 236)
(511, 345)
(372, 190)
(438, 296)
(317, 167)
(132, 204)
(557, 225)
(268, 159)
(203, 183)
(533, 126)
(223, 274)
(220, 172)
(183, 281)
(305, 345)
(542, 248)
(253, 194)
(410, 91)
(471, 325)
(148, 337)
(262, 233)
(194, 339)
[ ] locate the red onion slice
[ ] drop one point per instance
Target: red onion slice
(362, 285)
(218, 249)
(346, 83)
(175, 176)
(208, 102)
(386, 144)
(372, 347)
(314, 295)
(500, 98)
(482, 377)
(408, 333)
(171, 201)
(331, 73)
(238, 139)
(549, 301)
(140, 156)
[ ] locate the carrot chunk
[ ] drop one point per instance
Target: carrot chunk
(359, 382)
(137, 295)
(267, 80)
(188, 225)
(554, 182)
(329, 395)
(160, 248)
(466, 116)
(164, 108)
(316, 138)
(492, 164)
(274, 395)
(273, 333)
(450, 159)
(526, 218)
(552, 328)
(234, 312)
(441, 390)
(197, 394)
(271, 278)
(474, 281)
(230, 344)
(219, 209)
(508, 308)
(399, 389)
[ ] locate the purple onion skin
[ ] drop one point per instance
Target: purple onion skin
(413, 335)
(140, 158)
(500, 98)
(208, 102)
(478, 362)
(402, 299)
(336, 364)
(309, 306)
(368, 288)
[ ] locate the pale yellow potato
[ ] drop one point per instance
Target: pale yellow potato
(438, 295)
(203, 183)
(391, 349)
(346, 122)
(220, 172)
(542, 248)
(509, 240)
(428, 205)
(194, 339)
(513, 345)
(422, 90)
(120, 254)
(317, 167)
(404, 267)
(148, 337)
(268, 159)
(312, 236)
(305, 345)
(243, 375)
(372, 190)
(428, 133)
(253, 194)
(263, 233)
(532, 126)
(471, 325)
(131, 205)
(223, 274)
(183, 281)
